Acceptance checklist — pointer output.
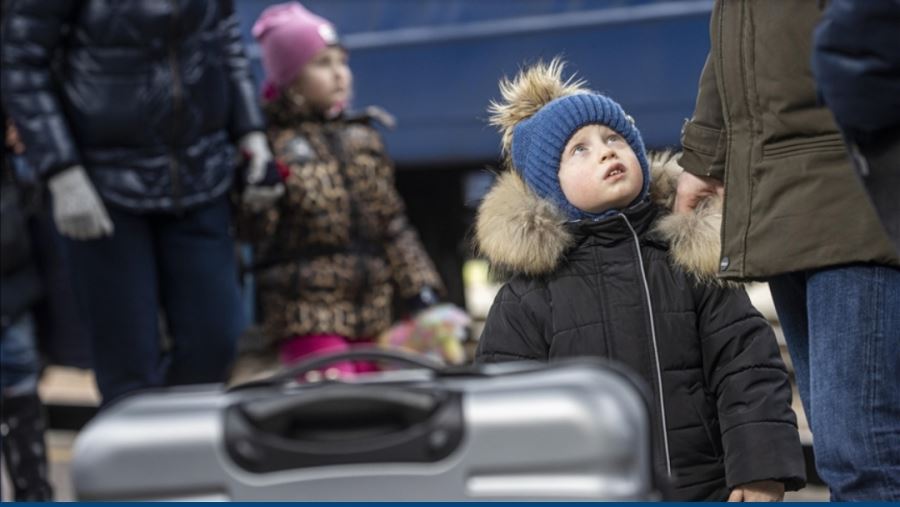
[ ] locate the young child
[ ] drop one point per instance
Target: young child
(330, 256)
(594, 275)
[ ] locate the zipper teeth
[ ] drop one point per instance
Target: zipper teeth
(662, 407)
(355, 229)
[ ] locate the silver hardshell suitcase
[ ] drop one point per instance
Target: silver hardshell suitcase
(571, 430)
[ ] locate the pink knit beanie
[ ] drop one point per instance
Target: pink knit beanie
(289, 37)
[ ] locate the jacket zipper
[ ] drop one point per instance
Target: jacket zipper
(662, 406)
(355, 232)
(177, 97)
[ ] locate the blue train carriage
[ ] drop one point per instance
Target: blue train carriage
(435, 64)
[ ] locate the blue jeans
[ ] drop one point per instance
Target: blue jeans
(842, 327)
(183, 264)
(19, 361)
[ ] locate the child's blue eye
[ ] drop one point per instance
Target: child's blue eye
(615, 138)
(579, 148)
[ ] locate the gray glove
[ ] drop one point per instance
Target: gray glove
(258, 197)
(77, 209)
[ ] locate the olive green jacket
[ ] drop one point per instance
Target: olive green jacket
(792, 200)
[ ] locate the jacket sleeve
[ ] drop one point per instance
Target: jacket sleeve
(859, 77)
(743, 368)
(703, 136)
(515, 329)
(258, 227)
(246, 115)
(411, 267)
(32, 32)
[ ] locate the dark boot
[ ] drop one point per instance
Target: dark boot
(23, 426)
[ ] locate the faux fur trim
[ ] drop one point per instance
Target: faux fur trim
(664, 172)
(520, 233)
(694, 238)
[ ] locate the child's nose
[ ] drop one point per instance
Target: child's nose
(606, 153)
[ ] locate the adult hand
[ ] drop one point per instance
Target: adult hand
(13, 141)
(257, 195)
(77, 209)
(760, 491)
(693, 189)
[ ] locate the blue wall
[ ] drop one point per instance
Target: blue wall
(435, 64)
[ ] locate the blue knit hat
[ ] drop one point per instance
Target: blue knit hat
(538, 143)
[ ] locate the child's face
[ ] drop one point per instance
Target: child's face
(326, 81)
(599, 171)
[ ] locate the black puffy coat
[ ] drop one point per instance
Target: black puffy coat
(609, 289)
(856, 60)
(149, 95)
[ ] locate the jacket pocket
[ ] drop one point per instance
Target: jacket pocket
(804, 146)
(710, 422)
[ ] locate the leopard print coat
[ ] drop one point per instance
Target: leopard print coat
(331, 254)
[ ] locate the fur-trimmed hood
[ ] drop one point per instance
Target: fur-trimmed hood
(519, 232)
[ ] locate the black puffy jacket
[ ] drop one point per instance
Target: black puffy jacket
(149, 95)
(609, 289)
(859, 79)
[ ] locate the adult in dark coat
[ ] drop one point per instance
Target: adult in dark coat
(133, 112)
(856, 61)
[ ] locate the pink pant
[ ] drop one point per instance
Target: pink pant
(301, 347)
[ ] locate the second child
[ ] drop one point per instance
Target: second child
(337, 250)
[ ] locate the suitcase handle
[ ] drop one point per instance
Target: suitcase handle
(334, 424)
(358, 354)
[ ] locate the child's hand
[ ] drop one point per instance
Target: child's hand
(760, 491)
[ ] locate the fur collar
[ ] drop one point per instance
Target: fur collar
(520, 233)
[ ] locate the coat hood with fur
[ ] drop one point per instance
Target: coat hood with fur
(519, 232)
